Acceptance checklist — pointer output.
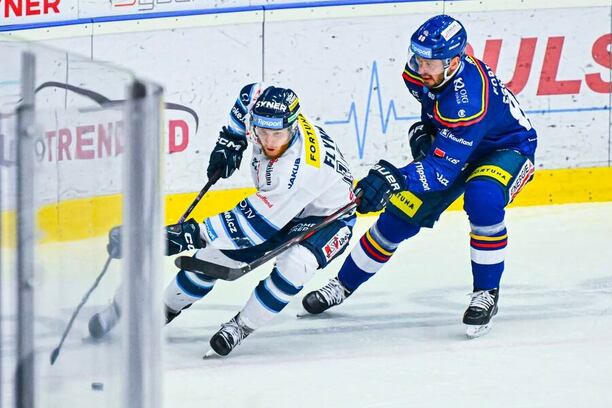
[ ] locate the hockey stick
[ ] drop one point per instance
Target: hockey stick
(211, 270)
(56, 350)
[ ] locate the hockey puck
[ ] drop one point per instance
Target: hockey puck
(97, 386)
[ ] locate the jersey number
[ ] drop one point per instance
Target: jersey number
(515, 109)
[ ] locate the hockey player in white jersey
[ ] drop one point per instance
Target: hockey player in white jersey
(300, 176)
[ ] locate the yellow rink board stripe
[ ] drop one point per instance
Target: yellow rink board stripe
(89, 217)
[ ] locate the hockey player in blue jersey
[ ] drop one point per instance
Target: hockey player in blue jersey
(300, 176)
(473, 139)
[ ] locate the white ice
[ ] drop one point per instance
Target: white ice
(397, 342)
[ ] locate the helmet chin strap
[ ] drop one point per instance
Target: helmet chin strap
(448, 76)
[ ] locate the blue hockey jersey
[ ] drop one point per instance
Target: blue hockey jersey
(473, 115)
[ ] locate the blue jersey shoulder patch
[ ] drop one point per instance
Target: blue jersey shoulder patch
(413, 82)
(465, 100)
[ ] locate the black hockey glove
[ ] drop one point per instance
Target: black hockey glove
(382, 180)
(183, 236)
(179, 237)
(227, 154)
(421, 138)
(114, 243)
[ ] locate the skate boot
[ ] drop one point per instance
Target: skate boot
(104, 321)
(479, 313)
(228, 337)
(329, 295)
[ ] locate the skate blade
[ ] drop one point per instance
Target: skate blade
(211, 354)
(303, 313)
(473, 332)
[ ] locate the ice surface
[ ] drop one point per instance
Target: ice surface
(399, 340)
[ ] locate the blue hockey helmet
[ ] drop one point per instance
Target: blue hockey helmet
(275, 108)
(441, 37)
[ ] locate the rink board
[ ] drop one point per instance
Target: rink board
(85, 218)
(348, 82)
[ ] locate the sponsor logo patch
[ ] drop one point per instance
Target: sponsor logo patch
(311, 143)
(338, 241)
(452, 160)
(407, 202)
(210, 231)
(449, 135)
(451, 30)
(269, 171)
(421, 51)
(521, 179)
(264, 200)
(443, 180)
(301, 227)
(277, 106)
(461, 94)
(491, 171)
(296, 166)
(265, 122)
(230, 222)
(422, 177)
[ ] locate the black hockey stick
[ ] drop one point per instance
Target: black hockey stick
(211, 270)
(56, 350)
(215, 177)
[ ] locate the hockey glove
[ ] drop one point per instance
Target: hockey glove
(227, 154)
(114, 242)
(183, 236)
(375, 189)
(421, 138)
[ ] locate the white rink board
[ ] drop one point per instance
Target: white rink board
(340, 58)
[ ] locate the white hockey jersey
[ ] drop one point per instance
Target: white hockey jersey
(311, 178)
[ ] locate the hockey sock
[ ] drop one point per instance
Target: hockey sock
(185, 289)
(374, 249)
(484, 202)
(487, 251)
(293, 268)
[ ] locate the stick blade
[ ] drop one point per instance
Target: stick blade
(209, 269)
(54, 355)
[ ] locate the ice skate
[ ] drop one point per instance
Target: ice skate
(320, 300)
(170, 314)
(104, 321)
(479, 313)
(228, 337)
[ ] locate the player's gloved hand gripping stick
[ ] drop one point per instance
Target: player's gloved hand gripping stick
(115, 253)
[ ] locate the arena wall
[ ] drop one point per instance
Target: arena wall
(343, 58)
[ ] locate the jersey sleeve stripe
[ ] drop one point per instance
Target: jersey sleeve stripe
(477, 117)
(249, 230)
(257, 221)
(233, 230)
(240, 104)
(237, 122)
(410, 77)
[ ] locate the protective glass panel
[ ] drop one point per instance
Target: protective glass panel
(79, 133)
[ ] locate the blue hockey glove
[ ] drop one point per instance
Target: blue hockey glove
(114, 242)
(375, 189)
(421, 138)
(183, 236)
(227, 154)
